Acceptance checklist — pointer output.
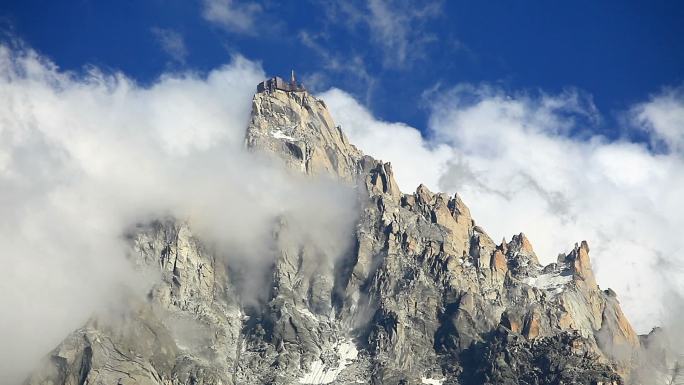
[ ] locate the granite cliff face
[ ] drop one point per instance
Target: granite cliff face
(424, 296)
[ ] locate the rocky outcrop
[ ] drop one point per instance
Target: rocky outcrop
(298, 129)
(564, 358)
(424, 297)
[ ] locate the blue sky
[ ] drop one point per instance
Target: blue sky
(385, 54)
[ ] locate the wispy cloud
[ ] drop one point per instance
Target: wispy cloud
(398, 27)
(235, 16)
(663, 117)
(172, 43)
(352, 66)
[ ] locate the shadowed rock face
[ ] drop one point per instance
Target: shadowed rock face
(425, 296)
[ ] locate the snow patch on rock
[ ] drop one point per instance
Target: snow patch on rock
(553, 282)
(307, 313)
(320, 374)
(431, 381)
(278, 134)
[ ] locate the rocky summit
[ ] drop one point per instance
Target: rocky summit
(423, 295)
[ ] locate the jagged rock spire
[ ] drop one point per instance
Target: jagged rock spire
(298, 128)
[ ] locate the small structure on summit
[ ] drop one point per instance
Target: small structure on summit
(277, 83)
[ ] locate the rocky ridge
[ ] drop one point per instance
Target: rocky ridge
(424, 297)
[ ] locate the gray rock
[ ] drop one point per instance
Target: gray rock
(424, 297)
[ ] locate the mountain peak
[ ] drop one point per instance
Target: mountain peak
(424, 296)
(290, 123)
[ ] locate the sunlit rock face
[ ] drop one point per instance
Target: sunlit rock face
(298, 128)
(421, 296)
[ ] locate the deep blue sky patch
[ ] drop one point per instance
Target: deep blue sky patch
(617, 51)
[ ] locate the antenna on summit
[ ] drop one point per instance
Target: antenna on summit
(277, 83)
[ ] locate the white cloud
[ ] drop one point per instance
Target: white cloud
(353, 66)
(85, 156)
(414, 160)
(524, 163)
(82, 156)
(235, 16)
(172, 43)
(663, 117)
(396, 27)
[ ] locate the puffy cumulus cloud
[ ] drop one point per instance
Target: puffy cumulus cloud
(414, 160)
(520, 167)
(83, 157)
(529, 163)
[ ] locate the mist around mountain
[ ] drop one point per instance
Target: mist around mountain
(254, 243)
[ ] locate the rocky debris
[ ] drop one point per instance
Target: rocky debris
(564, 358)
(425, 297)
